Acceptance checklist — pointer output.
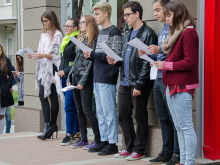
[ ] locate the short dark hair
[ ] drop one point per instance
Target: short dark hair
(162, 2)
(75, 22)
(135, 6)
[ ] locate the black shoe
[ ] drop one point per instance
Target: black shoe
(159, 159)
(67, 140)
(46, 131)
(174, 160)
(108, 150)
(53, 128)
(99, 147)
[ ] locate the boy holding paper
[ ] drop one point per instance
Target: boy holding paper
(105, 80)
(135, 85)
(170, 151)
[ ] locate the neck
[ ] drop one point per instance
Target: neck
(165, 22)
(137, 25)
(106, 24)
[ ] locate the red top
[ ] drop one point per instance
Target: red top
(185, 60)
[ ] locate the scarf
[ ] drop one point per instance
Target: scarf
(82, 37)
(168, 44)
(66, 40)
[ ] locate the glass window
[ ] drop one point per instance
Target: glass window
(7, 2)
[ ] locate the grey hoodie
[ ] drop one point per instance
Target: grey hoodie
(20, 79)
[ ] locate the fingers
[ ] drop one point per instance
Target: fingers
(141, 52)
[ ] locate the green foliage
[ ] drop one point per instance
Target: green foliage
(12, 110)
(15, 96)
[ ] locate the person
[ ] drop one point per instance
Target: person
(80, 75)
(170, 150)
(67, 55)
(135, 85)
(6, 79)
(47, 63)
(180, 75)
(105, 80)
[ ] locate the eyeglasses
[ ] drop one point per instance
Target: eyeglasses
(82, 22)
(127, 15)
(67, 26)
(43, 22)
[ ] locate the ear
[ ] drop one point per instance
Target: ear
(106, 14)
(137, 14)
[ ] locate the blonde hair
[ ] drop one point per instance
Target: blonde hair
(104, 6)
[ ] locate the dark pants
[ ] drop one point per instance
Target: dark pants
(169, 134)
(50, 115)
(20, 103)
(134, 141)
(83, 100)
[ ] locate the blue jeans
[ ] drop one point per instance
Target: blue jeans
(72, 125)
(180, 106)
(169, 134)
(105, 97)
(8, 119)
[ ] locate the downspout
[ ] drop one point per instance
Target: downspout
(19, 23)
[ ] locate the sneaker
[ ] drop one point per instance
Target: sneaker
(108, 150)
(99, 147)
(135, 156)
(159, 159)
(122, 154)
(79, 144)
(67, 140)
(92, 145)
(174, 160)
(76, 137)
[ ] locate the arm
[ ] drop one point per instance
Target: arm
(154, 57)
(86, 75)
(11, 77)
(99, 56)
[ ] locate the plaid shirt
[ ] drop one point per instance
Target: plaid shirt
(174, 89)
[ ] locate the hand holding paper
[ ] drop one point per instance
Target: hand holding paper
(139, 45)
(68, 88)
(29, 51)
(82, 46)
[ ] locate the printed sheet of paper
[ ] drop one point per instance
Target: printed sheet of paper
(28, 50)
(139, 45)
(58, 87)
(78, 43)
(68, 88)
(110, 52)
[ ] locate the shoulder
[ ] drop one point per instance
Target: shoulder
(149, 30)
(114, 31)
(189, 33)
(58, 34)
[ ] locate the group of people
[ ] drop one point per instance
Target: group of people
(175, 52)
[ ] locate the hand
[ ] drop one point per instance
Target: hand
(87, 54)
(54, 81)
(79, 87)
(11, 90)
(37, 56)
(29, 56)
(14, 73)
(159, 64)
(154, 49)
(61, 73)
(18, 74)
(68, 84)
(151, 65)
(110, 60)
(136, 92)
(141, 52)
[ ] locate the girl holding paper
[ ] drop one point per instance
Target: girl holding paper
(81, 76)
(180, 75)
(47, 63)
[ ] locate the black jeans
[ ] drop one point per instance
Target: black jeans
(169, 134)
(50, 115)
(83, 100)
(126, 102)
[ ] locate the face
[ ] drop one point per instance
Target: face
(0, 51)
(19, 58)
(69, 27)
(169, 17)
(100, 16)
(130, 17)
(46, 22)
(158, 12)
(82, 24)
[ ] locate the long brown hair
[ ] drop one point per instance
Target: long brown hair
(3, 62)
(20, 64)
(181, 14)
(54, 23)
(92, 30)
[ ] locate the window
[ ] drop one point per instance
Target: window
(8, 2)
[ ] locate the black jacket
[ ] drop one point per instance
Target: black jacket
(82, 69)
(139, 69)
(5, 84)
(67, 56)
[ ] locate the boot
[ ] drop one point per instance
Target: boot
(53, 128)
(47, 130)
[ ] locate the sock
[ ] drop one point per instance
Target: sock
(2, 124)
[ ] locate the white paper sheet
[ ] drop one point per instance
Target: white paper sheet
(145, 57)
(78, 43)
(28, 50)
(58, 87)
(110, 52)
(68, 88)
(139, 45)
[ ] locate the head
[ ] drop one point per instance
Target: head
(71, 25)
(102, 12)
(133, 12)
(88, 24)
(50, 21)
(3, 62)
(19, 60)
(176, 14)
(158, 6)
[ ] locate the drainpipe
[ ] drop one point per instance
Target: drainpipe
(19, 23)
